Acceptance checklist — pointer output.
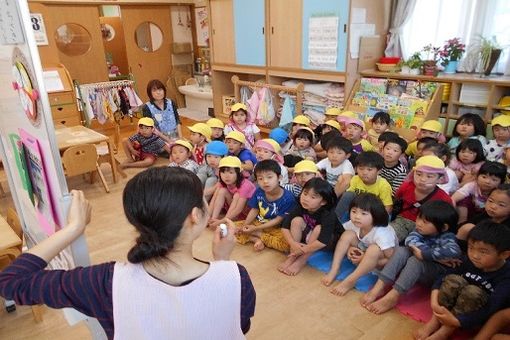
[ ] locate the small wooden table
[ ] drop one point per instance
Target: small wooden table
(78, 135)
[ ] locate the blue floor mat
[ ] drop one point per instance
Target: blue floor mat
(321, 260)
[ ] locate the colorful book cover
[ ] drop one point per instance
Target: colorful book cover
(373, 85)
(424, 90)
(386, 101)
(396, 87)
(401, 117)
(361, 99)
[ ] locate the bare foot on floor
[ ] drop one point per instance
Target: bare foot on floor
(424, 332)
(385, 303)
(284, 265)
(372, 294)
(328, 279)
(258, 245)
(296, 267)
(343, 287)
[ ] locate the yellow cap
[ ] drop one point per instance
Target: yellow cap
(502, 120)
(184, 143)
(203, 129)
(301, 119)
(305, 166)
(215, 123)
(230, 162)
(236, 135)
(430, 161)
(274, 144)
(238, 106)
(146, 121)
(349, 114)
(333, 124)
(432, 125)
(505, 102)
(333, 111)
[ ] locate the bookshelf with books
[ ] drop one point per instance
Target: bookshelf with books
(462, 93)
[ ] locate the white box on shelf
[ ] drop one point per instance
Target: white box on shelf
(474, 94)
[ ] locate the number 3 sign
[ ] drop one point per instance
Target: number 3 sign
(39, 28)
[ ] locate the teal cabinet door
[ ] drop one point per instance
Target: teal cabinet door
(249, 32)
(326, 8)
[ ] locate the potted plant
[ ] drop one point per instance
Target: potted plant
(413, 64)
(451, 53)
(431, 59)
(490, 51)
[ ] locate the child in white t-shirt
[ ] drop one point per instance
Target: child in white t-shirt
(337, 166)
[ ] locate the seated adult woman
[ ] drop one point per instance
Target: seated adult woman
(163, 291)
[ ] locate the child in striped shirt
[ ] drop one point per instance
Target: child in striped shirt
(394, 171)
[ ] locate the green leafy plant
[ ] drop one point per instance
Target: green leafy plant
(486, 46)
(414, 61)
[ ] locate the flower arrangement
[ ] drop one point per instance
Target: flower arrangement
(451, 51)
(432, 54)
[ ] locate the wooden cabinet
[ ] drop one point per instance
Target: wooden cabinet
(249, 31)
(222, 31)
(462, 93)
(64, 110)
(285, 20)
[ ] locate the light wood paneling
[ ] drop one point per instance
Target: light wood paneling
(285, 20)
(222, 30)
(116, 46)
(91, 66)
(147, 65)
(48, 53)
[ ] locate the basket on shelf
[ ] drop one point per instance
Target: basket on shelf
(388, 67)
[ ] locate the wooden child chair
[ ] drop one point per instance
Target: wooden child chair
(82, 159)
(12, 243)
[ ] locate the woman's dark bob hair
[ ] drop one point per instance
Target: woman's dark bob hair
(157, 206)
(155, 84)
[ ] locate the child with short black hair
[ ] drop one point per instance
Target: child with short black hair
(469, 125)
(468, 159)
(432, 241)
(268, 206)
(368, 167)
(300, 121)
(181, 155)
(470, 198)
(142, 148)
(443, 152)
(302, 147)
(303, 172)
(380, 123)
(472, 292)
(337, 167)
(393, 170)
(323, 141)
(200, 136)
(310, 226)
(383, 138)
(367, 241)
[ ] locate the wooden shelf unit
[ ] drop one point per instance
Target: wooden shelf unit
(451, 109)
(64, 109)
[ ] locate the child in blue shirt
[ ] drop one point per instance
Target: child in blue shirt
(235, 141)
(269, 204)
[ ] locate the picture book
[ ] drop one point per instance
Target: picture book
(373, 85)
(396, 87)
(424, 90)
(361, 99)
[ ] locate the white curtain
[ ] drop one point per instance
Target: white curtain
(402, 13)
(435, 21)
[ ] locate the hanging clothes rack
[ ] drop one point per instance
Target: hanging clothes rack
(298, 90)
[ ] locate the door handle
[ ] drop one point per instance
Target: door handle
(272, 29)
(262, 30)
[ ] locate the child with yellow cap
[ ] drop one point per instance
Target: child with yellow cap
(426, 175)
(200, 136)
(302, 147)
(303, 172)
(217, 127)
(181, 155)
(430, 128)
(142, 148)
(241, 122)
(501, 131)
(270, 149)
(236, 141)
(298, 122)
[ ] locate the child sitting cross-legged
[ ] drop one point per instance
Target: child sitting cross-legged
(433, 240)
(303, 172)
(310, 226)
(368, 166)
(208, 172)
(471, 293)
(231, 194)
(200, 136)
(470, 199)
(367, 241)
(422, 187)
(268, 206)
(393, 170)
(181, 155)
(142, 148)
(337, 166)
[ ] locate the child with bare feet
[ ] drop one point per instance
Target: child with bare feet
(367, 241)
(142, 148)
(311, 225)
(431, 241)
(269, 204)
(477, 289)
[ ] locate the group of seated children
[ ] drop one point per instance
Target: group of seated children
(431, 212)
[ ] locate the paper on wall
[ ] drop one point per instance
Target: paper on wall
(358, 15)
(323, 42)
(356, 32)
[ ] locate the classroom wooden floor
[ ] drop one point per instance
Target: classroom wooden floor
(287, 307)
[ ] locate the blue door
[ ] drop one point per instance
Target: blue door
(249, 32)
(326, 8)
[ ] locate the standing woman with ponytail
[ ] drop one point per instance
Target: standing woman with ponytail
(163, 291)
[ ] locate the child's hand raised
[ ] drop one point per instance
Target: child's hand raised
(79, 212)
